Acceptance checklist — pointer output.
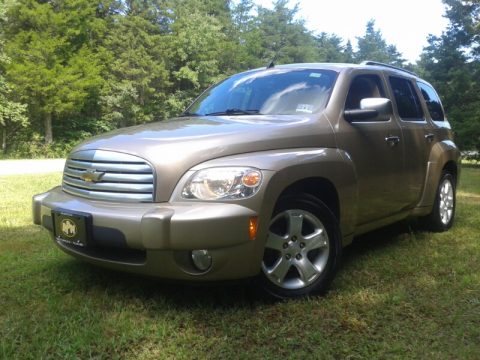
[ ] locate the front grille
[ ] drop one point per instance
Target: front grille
(108, 175)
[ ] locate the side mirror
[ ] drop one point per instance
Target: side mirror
(371, 109)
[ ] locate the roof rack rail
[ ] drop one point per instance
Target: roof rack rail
(376, 63)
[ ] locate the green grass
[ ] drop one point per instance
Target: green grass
(401, 294)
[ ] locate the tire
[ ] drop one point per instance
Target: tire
(303, 248)
(443, 212)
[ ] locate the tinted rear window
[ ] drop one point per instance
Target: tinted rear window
(408, 103)
(434, 105)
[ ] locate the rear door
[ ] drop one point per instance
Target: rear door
(417, 135)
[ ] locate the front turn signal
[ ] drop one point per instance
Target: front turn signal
(252, 227)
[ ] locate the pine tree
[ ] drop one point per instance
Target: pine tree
(330, 48)
(136, 74)
(283, 37)
(53, 67)
(195, 47)
(12, 113)
(452, 63)
(372, 46)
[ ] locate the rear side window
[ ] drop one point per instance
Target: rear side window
(434, 105)
(408, 103)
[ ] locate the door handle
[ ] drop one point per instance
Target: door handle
(392, 140)
(430, 137)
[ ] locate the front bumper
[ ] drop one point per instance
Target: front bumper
(156, 238)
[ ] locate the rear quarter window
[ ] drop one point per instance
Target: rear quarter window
(433, 102)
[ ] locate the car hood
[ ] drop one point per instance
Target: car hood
(174, 146)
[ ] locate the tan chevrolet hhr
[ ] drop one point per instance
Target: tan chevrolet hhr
(268, 173)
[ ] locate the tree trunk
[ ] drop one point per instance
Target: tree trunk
(4, 139)
(48, 128)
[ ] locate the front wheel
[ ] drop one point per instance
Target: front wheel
(443, 212)
(303, 248)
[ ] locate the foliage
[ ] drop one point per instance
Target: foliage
(281, 36)
(194, 51)
(82, 67)
(53, 67)
(135, 76)
(12, 113)
(330, 49)
(452, 63)
(372, 46)
(33, 147)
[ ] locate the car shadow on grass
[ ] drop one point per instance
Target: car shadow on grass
(89, 278)
(377, 240)
(76, 275)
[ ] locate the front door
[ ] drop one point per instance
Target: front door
(376, 149)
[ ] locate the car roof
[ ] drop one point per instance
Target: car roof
(370, 65)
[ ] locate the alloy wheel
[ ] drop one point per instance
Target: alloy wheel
(297, 249)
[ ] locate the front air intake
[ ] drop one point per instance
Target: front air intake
(108, 175)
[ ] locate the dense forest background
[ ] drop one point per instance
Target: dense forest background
(70, 69)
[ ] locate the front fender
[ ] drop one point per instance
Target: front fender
(285, 167)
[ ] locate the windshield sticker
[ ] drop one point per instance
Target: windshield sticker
(305, 108)
(315, 75)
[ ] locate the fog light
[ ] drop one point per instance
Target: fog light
(201, 259)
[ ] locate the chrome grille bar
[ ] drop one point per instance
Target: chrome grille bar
(111, 167)
(108, 196)
(105, 186)
(114, 177)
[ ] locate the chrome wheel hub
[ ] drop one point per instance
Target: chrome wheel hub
(297, 249)
(446, 202)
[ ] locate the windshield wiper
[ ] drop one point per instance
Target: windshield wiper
(186, 113)
(234, 112)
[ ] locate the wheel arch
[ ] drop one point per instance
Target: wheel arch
(331, 179)
(452, 168)
(321, 188)
(444, 156)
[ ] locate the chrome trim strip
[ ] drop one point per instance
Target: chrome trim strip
(114, 177)
(114, 167)
(105, 156)
(109, 196)
(105, 186)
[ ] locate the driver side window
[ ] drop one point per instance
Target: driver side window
(363, 86)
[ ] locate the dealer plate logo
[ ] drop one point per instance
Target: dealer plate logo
(69, 228)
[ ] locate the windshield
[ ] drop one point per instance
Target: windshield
(267, 92)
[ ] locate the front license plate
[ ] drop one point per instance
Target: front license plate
(71, 228)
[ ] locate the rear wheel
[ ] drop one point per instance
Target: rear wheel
(303, 248)
(443, 212)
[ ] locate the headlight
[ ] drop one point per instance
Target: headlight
(223, 183)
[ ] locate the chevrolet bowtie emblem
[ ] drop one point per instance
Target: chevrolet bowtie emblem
(92, 176)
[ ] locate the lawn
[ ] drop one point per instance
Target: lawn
(400, 294)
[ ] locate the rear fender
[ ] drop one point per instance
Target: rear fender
(442, 153)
